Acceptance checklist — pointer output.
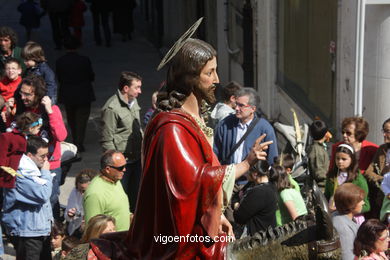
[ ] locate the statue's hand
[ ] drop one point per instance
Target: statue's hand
(225, 227)
(257, 151)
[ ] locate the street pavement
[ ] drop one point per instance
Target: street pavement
(138, 55)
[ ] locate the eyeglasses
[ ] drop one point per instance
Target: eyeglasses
(348, 133)
(43, 156)
(118, 168)
(386, 131)
(242, 105)
(386, 237)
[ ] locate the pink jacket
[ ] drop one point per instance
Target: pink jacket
(373, 256)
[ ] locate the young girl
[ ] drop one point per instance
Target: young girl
(35, 61)
(345, 169)
(74, 213)
(13, 144)
(291, 203)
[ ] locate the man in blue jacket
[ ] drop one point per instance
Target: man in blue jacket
(27, 213)
(231, 129)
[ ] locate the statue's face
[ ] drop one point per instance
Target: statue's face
(207, 79)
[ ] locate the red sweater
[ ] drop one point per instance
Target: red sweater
(8, 87)
(12, 147)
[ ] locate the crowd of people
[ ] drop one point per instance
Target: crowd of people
(174, 172)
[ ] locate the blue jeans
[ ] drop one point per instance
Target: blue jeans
(55, 193)
(130, 182)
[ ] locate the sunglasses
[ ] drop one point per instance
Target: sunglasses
(242, 105)
(346, 132)
(118, 168)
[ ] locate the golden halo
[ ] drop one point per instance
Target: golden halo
(179, 43)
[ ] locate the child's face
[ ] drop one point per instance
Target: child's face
(110, 227)
(35, 129)
(12, 70)
(56, 241)
(343, 161)
(30, 63)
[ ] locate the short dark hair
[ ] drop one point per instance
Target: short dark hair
(8, 32)
(69, 242)
(33, 51)
(107, 158)
(368, 233)
(261, 168)
(347, 196)
(126, 79)
(318, 129)
(34, 143)
(361, 126)
(384, 123)
(13, 60)
(58, 229)
(85, 175)
(254, 99)
(230, 90)
(287, 162)
(24, 120)
(38, 84)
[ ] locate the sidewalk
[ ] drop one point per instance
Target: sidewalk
(138, 55)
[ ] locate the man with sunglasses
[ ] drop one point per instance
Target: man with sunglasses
(105, 194)
(231, 129)
(27, 213)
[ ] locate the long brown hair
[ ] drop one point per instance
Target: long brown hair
(279, 177)
(96, 226)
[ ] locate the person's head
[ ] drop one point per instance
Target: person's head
(345, 161)
(193, 70)
(354, 129)
(259, 173)
(32, 54)
(57, 234)
(318, 129)
(29, 123)
(84, 178)
(33, 89)
(372, 237)
(71, 43)
(349, 199)
(386, 130)
(37, 150)
(68, 243)
(286, 161)
(279, 177)
(113, 165)
(97, 225)
(247, 102)
(8, 39)
(12, 69)
(130, 85)
(229, 93)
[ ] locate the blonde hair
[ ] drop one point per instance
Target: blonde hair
(96, 226)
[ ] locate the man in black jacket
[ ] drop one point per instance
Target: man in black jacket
(75, 76)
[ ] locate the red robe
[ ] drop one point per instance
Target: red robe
(180, 192)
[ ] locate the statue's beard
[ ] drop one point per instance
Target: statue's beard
(207, 95)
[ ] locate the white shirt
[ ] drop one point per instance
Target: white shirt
(241, 130)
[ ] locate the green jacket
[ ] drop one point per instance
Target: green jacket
(121, 127)
(359, 181)
(318, 162)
